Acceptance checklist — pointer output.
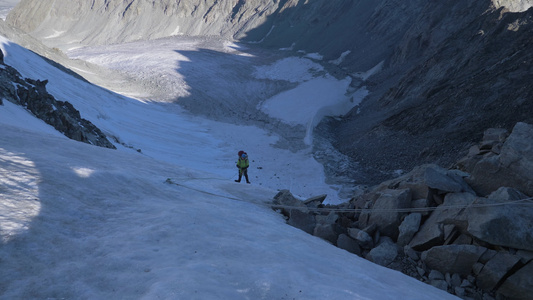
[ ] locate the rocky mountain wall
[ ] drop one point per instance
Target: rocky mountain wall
(476, 78)
(360, 28)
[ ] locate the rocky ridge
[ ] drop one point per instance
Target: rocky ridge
(32, 95)
(466, 230)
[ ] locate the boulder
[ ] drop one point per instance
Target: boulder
(408, 228)
(439, 179)
(413, 180)
(435, 275)
(502, 225)
(512, 168)
(326, 232)
(328, 219)
(519, 285)
(347, 243)
(284, 199)
(325, 227)
(362, 237)
(421, 205)
(385, 252)
(517, 155)
(452, 258)
(495, 135)
(384, 211)
(315, 201)
(431, 233)
(409, 252)
(440, 284)
(495, 270)
(302, 220)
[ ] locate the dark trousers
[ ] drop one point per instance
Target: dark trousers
(245, 173)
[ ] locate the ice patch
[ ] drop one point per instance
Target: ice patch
(288, 48)
(365, 75)
(55, 34)
(176, 31)
(293, 69)
(514, 5)
(341, 58)
(315, 56)
(300, 105)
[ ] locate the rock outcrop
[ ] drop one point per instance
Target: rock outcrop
(32, 95)
(467, 233)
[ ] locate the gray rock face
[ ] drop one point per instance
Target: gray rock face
(302, 220)
(511, 168)
(347, 243)
(503, 225)
(384, 213)
(384, 253)
(519, 285)
(453, 258)
(428, 108)
(408, 228)
(495, 269)
(284, 198)
(431, 233)
(362, 238)
(437, 179)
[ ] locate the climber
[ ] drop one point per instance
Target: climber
(243, 165)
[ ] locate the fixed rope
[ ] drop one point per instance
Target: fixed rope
(521, 202)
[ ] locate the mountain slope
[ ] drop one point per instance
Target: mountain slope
(85, 222)
(440, 73)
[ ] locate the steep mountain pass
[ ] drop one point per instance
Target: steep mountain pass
(449, 70)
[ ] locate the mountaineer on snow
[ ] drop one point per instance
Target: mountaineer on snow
(242, 165)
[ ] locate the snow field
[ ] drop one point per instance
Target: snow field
(83, 222)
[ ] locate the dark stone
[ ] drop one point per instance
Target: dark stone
(519, 285)
(302, 220)
(453, 258)
(495, 270)
(347, 243)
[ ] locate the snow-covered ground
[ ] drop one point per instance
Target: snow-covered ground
(82, 222)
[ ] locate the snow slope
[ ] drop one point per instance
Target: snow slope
(82, 222)
(166, 132)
